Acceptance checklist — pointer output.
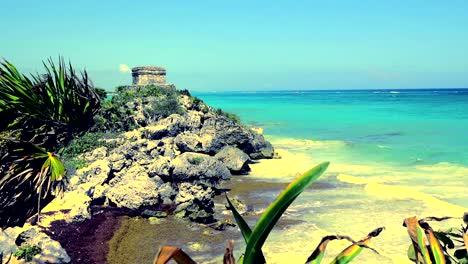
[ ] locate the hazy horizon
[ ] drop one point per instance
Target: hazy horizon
(218, 46)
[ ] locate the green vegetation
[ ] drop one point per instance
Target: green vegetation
(27, 252)
(101, 92)
(75, 163)
(118, 113)
(164, 108)
(437, 247)
(40, 114)
(231, 116)
(86, 142)
(195, 160)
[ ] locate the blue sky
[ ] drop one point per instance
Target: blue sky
(248, 45)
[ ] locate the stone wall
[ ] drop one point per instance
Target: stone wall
(148, 75)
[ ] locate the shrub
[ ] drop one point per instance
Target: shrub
(195, 160)
(87, 142)
(164, 107)
(40, 113)
(231, 116)
(117, 114)
(59, 101)
(27, 252)
(102, 93)
(184, 92)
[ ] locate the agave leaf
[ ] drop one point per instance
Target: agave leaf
(412, 254)
(349, 253)
(168, 253)
(443, 237)
(273, 213)
(243, 226)
(418, 239)
(435, 248)
(317, 255)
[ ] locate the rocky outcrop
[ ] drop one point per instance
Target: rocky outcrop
(177, 163)
(195, 202)
(234, 159)
(220, 131)
(14, 239)
(198, 168)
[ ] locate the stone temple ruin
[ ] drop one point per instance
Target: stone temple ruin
(150, 75)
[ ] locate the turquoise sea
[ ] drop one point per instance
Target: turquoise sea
(403, 127)
(393, 154)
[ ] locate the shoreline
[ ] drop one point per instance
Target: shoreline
(253, 189)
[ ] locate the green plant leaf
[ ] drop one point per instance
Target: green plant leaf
(418, 238)
(349, 253)
(273, 213)
(317, 255)
(434, 244)
(243, 226)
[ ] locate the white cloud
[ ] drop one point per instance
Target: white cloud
(123, 68)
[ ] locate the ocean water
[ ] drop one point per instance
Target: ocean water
(393, 154)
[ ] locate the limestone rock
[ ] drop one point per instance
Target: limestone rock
(188, 142)
(234, 159)
(166, 194)
(95, 174)
(72, 207)
(97, 154)
(200, 168)
(195, 202)
(160, 167)
(134, 191)
(51, 251)
(219, 131)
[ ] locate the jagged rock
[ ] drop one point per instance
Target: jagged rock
(151, 213)
(234, 159)
(219, 131)
(175, 124)
(160, 167)
(97, 154)
(201, 168)
(117, 161)
(7, 242)
(195, 202)
(95, 174)
(188, 142)
(167, 148)
(51, 250)
(193, 120)
(156, 132)
(72, 207)
(134, 191)
(262, 149)
(167, 194)
(135, 171)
